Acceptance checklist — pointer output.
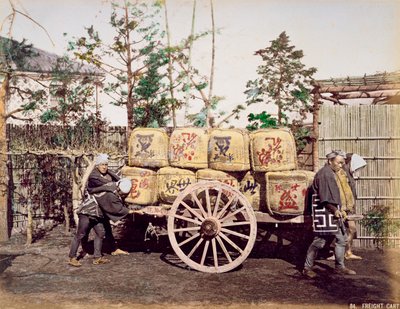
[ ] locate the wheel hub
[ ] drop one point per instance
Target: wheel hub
(210, 227)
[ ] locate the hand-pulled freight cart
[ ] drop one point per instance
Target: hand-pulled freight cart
(212, 221)
(212, 227)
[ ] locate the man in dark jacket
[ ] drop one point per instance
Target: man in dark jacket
(111, 202)
(107, 204)
(332, 189)
(102, 179)
(90, 216)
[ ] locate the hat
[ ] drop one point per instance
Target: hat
(335, 153)
(101, 158)
(357, 162)
(125, 185)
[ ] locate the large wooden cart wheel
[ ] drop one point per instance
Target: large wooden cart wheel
(212, 227)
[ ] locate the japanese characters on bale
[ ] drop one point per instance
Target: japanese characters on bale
(144, 185)
(148, 147)
(172, 181)
(228, 150)
(188, 148)
(272, 150)
(161, 167)
(287, 191)
(252, 185)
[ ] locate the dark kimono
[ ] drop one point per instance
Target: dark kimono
(326, 200)
(112, 205)
(98, 182)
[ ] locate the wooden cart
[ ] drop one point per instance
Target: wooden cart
(212, 227)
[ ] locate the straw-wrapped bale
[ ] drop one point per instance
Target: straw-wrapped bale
(188, 148)
(252, 186)
(212, 175)
(172, 181)
(229, 150)
(287, 192)
(144, 185)
(272, 150)
(148, 147)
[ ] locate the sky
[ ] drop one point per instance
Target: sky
(339, 38)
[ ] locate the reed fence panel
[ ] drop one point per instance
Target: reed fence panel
(372, 131)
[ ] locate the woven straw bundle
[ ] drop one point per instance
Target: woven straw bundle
(172, 181)
(188, 148)
(287, 192)
(229, 150)
(144, 185)
(148, 147)
(272, 150)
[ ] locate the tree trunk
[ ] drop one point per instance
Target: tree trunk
(29, 226)
(4, 207)
(210, 118)
(130, 81)
(170, 77)
(66, 218)
(79, 185)
(187, 92)
(315, 128)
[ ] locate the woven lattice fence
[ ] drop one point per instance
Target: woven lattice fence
(372, 131)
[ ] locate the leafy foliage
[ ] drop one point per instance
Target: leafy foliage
(131, 62)
(261, 121)
(284, 81)
(15, 55)
(377, 221)
(72, 95)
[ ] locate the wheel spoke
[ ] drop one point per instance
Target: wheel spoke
(196, 199)
(186, 229)
(233, 213)
(208, 202)
(188, 239)
(231, 243)
(225, 207)
(186, 219)
(235, 223)
(221, 243)
(192, 211)
(203, 257)
(217, 202)
(195, 247)
(212, 227)
(228, 231)
(214, 249)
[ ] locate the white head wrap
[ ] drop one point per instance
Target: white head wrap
(335, 153)
(101, 158)
(356, 162)
(125, 185)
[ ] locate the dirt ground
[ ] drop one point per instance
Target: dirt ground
(38, 277)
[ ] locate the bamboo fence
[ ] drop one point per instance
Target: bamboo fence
(372, 131)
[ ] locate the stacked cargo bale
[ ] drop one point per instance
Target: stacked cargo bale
(172, 181)
(275, 185)
(287, 192)
(188, 148)
(261, 164)
(228, 150)
(148, 147)
(144, 185)
(209, 174)
(147, 151)
(272, 150)
(252, 185)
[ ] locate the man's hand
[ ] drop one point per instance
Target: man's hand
(344, 214)
(338, 213)
(139, 211)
